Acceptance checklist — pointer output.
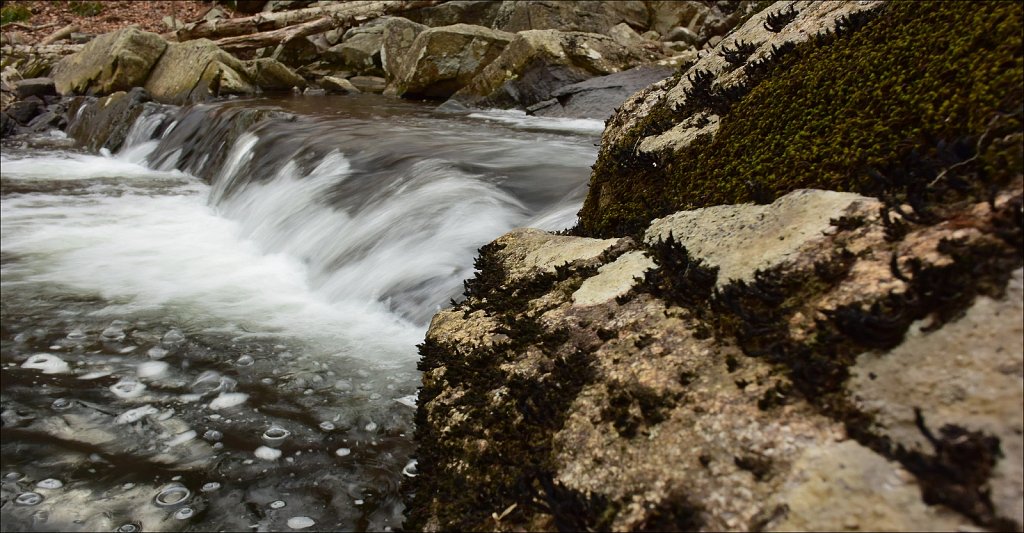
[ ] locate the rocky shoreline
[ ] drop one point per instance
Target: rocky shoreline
(794, 297)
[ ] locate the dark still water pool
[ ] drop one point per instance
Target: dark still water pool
(216, 327)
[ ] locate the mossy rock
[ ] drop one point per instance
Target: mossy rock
(921, 85)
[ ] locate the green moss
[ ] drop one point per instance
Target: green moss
(918, 76)
(14, 13)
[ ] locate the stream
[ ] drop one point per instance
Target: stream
(215, 328)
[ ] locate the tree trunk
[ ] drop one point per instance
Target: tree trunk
(59, 34)
(276, 37)
(267, 22)
(26, 50)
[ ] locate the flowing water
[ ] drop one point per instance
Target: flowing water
(215, 328)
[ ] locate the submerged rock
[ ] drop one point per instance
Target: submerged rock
(105, 122)
(599, 97)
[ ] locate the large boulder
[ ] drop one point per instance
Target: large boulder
(693, 385)
(539, 62)
(398, 35)
(196, 70)
(271, 74)
(9, 78)
(360, 51)
(111, 62)
(599, 97)
(702, 20)
(591, 17)
(475, 12)
(443, 60)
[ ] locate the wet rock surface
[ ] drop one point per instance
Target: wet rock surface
(658, 385)
(599, 97)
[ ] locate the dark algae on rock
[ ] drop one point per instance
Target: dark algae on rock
(799, 339)
(518, 475)
(915, 75)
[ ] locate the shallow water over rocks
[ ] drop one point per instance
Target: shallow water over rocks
(193, 330)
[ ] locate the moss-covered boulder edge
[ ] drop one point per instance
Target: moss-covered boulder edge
(863, 376)
(860, 103)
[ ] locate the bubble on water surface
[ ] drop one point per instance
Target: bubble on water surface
(171, 495)
(208, 381)
(372, 426)
(326, 426)
(174, 336)
(50, 483)
(245, 360)
(46, 363)
(128, 528)
(213, 435)
(28, 498)
(275, 435)
(112, 333)
(157, 352)
(76, 335)
(277, 504)
(61, 404)
(13, 476)
(184, 513)
(126, 389)
(211, 486)
(342, 452)
(410, 469)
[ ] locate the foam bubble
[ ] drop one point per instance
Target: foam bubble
(28, 498)
(300, 522)
(182, 437)
(267, 453)
(228, 399)
(47, 364)
(50, 484)
(134, 415)
(127, 389)
(151, 369)
(172, 494)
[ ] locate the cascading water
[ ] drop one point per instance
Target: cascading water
(215, 328)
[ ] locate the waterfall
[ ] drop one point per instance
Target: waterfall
(242, 266)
